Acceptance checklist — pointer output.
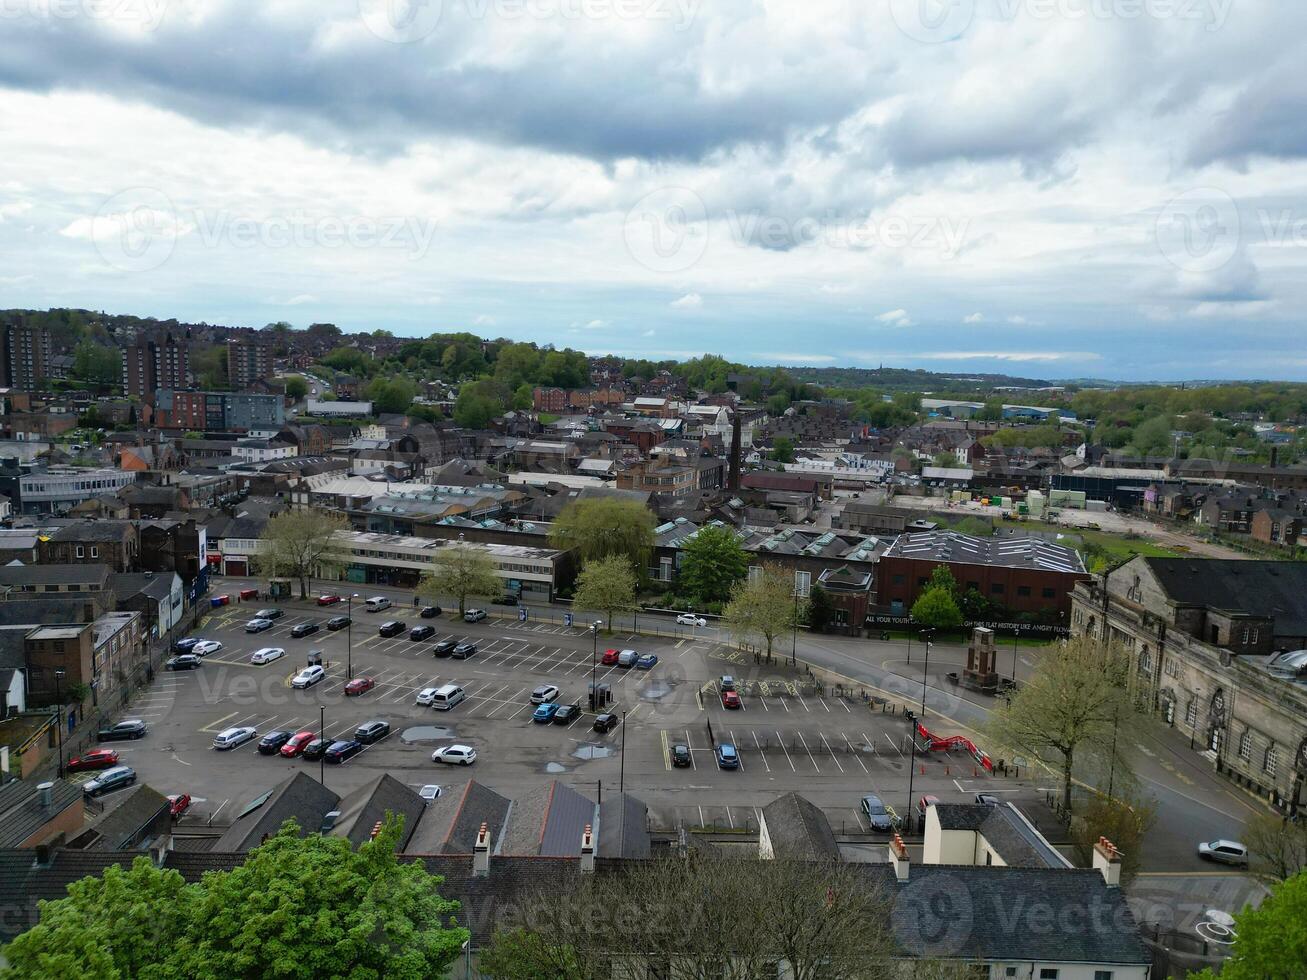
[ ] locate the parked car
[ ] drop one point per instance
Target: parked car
(303, 630)
(690, 619)
(429, 612)
(566, 714)
(1224, 852)
(272, 742)
(258, 625)
(627, 658)
(545, 712)
(392, 627)
(203, 648)
(111, 779)
(178, 803)
(296, 744)
(266, 655)
(93, 760)
(726, 683)
(425, 696)
(609, 658)
(648, 662)
(878, 818)
(342, 751)
(308, 677)
(455, 755)
(987, 799)
(127, 728)
(474, 615)
(731, 700)
(372, 731)
(430, 792)
(184, 645)
(463, 651)
(360, 685)
(328, 600)
(925, 803)
(269, 613)
(727, 757)
(681, 756)
(230, 738)
(337, 623)
(377, 603)
(544, 693)
(183, 661)
(421, 632)
(314, 749)
(444, 648)
(605, 723)
(508, 599)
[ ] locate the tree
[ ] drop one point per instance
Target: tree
(478, 403)
(782, 449)
(1070, 710)
(602, 526)
(712, 561)
(936, 609)
(298, 907)
(820, 609)
(296, 387)
(1270, 942)
(96, 363)
(1124, 822)
(763, 606)
(391, 396)
(1279, 846)
(299, 543)
(461, 571)
(945, 460)
(606, 585)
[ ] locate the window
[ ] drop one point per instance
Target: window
(1023, 590)
(1145, 661)
(1246, 745)
(1048, 973)
(79, 552)
(898, 579)
(1191, 713)
(1270, 761)
(1049, 593)
(996, 588)
(95, 552)
(1102, 975)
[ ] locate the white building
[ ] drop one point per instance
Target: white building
(342, 409)
(60, 488)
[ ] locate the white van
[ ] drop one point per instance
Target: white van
(378, 603)
(447, 697)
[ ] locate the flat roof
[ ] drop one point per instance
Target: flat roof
(56, 633)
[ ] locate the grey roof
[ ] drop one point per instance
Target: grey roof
(1006, 830)
(157, 585)
(21, 813)
(623, 827)
(547, 821)
(300, 797)
(92, 531)
(119, 828)
(1276, 589)
(799, 831)
(365, 807)
(451, 825)
(1014, 551)
(56, 574)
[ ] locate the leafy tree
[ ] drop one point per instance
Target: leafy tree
(606, 585)
(602, 526)
(1279, 846)
(97, 363)
(946, 460)
(777, 404)
(461, 571)
(478, 403)
(1270, 942)
(711, 563)
(782, 449)
(523, 398)
(425, 413)
(1125, 822)
(210, 367)
(296, 387)
(521, 954)
(821, 609)
(1070, 709)
(298, 543)
(391, 396)
(351, 360)
(936, 609)
(763, 607)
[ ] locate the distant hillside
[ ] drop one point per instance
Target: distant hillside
(901, 379)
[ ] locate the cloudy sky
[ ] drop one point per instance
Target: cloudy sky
(1052, 188)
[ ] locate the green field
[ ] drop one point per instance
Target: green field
(1099, 548)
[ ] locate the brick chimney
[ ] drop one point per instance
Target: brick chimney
(481, 853)
(733, 471)
(898, 856)
(1107, 860)
(587, 851)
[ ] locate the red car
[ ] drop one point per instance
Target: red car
(610, 658)
(295, 745)
(328, 600)
(359, 685)
(178, 803)
(95, 759)
(731, 699)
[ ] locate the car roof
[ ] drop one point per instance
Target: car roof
(115, 770)
(1228, 843)
(726, 748)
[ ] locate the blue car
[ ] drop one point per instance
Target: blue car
(646, 662)
(727, 757)
(545, 712)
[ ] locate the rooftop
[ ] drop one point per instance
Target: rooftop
(1014, 551)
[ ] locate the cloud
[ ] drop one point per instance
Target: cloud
(648, 333)
(302, 299)
(974, 318)
(895, 318)
(482, 320)
(690, 301)
(797, 358)
(991, 355)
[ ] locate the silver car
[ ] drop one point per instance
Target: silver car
(878, 817)
(1224, 852)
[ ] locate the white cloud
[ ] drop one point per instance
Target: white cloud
(895, 318)
(690, 301)
(992, 355)
(648, 333)
(482, 320)
(974, 318)
(797, 358)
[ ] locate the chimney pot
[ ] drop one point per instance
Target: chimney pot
(45, 793)
(898, 855)
(587, 851)
(481, 853)
(1107, 861)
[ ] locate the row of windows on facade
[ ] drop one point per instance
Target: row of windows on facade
(997, 588)
(1270, 754)
(539, 568)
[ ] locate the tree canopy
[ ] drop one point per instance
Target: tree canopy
(764, 606)
(606, 585)
(598, 527)
(712, 561)
(461, 571)
(299, 544)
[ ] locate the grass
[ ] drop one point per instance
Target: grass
(1099, 548)
(547, 418)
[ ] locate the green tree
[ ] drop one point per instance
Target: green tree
(300, 544)
(936, 609)
(392, 395)
(598, 527)
(821, 610)
(606, 585)
(1278, 846)
(522, 954)
(782, 449)
(946, 460)
(97, 363)
(296, 387)
(478, 403)
(763, 607)
(1271, 943)
(1123, 821)
(461, 571)
(712, 561)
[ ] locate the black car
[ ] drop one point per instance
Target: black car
(304, 629)
(339, 752)
(315, 749)
(681, 756)
(271, 743)
(566, 714)
(125, 729)
(421, 632)
(184, 661)
(392, 628)
(184, 645)
(605, 723)
(429, 612)
(463, 651)
(444, 648)
(508, 599)
(372, 731)
(270, 613)
(337, 623)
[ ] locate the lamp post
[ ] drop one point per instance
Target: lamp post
(794, 642)
(1015, 634)
(594, 665)
(912, 762)
(59, 716)
(621, 772)
(349, 638)
(925, 670)
(322, 737)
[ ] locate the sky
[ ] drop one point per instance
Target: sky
(1045, 188)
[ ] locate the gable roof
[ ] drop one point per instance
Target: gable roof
(1273, 589)
(367, 806)
(798, 830)
(300, 797)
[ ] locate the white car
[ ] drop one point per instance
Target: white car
(455, 755)
(205, 647)
(1224, 852)
(544, 694)
(427, 695)
(267, 655)
(232, 737)
(308, 677)
(429, 792)
(690, 619)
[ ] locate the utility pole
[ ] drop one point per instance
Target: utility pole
(349, 638)
(621, 779)
(59, 716)
(322, 737)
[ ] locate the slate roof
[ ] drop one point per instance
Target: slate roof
(1276, 589)
(623, 827)
(451, 825)
(118, 829)
(21, 812)
(1006, 830)
(547, 821)
(365, 807)
(301, 797)
(799, 831)
(55, 574)
(1015, 551)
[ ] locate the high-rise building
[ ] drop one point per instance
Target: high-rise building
(155, 362)
(249, 359)
(27, 355)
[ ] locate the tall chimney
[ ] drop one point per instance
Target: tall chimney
(898, 856)
(1275, 456)
(733, 480)
(481, 853)
(1107, 860)
(587, 851)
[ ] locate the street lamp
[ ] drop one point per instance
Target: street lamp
(59, 716)
(594, 666)
(349, 637)
(621, 773)
(912, 762)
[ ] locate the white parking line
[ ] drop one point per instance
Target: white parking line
(809, 751)
(831, 751)
(734, 741)
(761, 752)
(855, 755)
(891, 742)
(781, 742)
(689, 745)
